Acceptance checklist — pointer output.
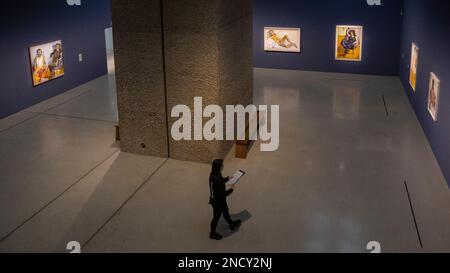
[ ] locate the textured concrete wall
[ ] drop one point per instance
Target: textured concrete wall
(140, 76)
(235, 55)
(235, 52)
(192, 63)
(208, 53)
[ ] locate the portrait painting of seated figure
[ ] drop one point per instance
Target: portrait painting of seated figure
(47, 62)
(433, 96)
(349, 42)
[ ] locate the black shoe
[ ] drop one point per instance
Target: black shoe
(235, 225)
(215, 236)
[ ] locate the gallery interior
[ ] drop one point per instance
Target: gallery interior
(87, 146)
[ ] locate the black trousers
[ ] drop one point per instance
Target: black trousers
(219, 210)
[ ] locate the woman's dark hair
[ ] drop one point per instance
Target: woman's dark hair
(217, 166)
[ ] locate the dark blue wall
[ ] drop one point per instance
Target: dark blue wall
(427, 23)
(29, 22)
(318, 20)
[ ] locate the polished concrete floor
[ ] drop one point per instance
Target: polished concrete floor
(353, 166)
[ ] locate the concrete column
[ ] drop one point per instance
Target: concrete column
(138, 55)
(207, 52)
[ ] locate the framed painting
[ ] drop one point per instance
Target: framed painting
(349, 43)
(47, 62)
(414, 65)
(282, 39)
(433, 96)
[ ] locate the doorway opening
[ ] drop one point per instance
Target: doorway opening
(110, 50)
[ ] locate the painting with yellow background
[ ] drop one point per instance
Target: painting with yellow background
(414, 65)
(349, 41)
(47, 62)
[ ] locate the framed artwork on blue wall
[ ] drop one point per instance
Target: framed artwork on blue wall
(282, 39)
(413, 66)
(349, 43)
(433, 96)
(47, 62)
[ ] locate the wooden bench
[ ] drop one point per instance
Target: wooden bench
(243, 146)
(117, 132)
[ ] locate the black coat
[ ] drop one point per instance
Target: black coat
(217, 186)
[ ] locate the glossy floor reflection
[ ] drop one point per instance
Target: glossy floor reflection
(348, 145)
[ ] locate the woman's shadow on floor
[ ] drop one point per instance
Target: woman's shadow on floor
(224, 229)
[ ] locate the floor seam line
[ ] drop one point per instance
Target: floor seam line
(146, 181)
(37, 114)
(20, 123)
(413, 214)
(80, 118)
(385, 105)
(69, 100)
(56, 198)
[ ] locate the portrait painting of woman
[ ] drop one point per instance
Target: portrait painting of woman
(282, 39)
(349, 41)
(433, 96)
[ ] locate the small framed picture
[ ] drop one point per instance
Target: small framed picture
(433, 96)
(414, 65)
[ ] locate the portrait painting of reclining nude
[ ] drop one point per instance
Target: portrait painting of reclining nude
(433, 96)
(282, 39)
(47, 62)
(349, 43)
